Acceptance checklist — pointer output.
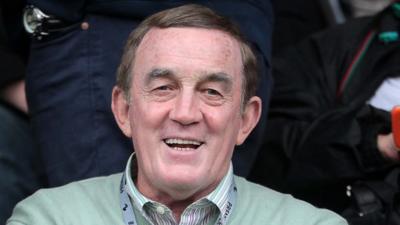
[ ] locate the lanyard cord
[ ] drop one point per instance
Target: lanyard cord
(129, 216)
(126, 205)
(355, 62)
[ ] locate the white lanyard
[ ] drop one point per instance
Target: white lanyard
(129, 216)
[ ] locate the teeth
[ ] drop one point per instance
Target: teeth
(183, 149)
(181, 141)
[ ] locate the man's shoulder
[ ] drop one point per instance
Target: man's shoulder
(88, 189)
(85, 200)
(261, 204)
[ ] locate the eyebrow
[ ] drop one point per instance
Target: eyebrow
(159, 73)
(219, 77)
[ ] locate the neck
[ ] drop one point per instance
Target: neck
(177, 209)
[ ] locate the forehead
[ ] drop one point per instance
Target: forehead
(189, 49)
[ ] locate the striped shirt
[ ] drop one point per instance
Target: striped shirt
(204, 211)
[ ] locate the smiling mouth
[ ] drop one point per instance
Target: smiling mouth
(182, 144)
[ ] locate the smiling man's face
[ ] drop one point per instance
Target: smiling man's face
(184, 115)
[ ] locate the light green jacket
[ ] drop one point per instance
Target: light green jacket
(96, 202)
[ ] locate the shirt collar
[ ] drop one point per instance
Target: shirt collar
(218, 197)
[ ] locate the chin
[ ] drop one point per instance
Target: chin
(184, 183)
(184, 191)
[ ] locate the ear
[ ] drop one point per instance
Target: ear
(250, 117)
(120, 109)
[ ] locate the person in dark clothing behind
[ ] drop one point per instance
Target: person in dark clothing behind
(328, 123)
(71, 72)
(19, 158)
(294, 21)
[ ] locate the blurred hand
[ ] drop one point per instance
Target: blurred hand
(388, 148)
(15, 94)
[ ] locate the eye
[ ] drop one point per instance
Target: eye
(163, 88)
(212, 92)
(212, 96)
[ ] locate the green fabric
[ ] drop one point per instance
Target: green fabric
(96, 201)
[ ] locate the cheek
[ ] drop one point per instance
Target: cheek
(222, 120)
(145, 116)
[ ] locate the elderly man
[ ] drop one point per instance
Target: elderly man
(185, 96)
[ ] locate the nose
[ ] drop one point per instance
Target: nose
(186, 109)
